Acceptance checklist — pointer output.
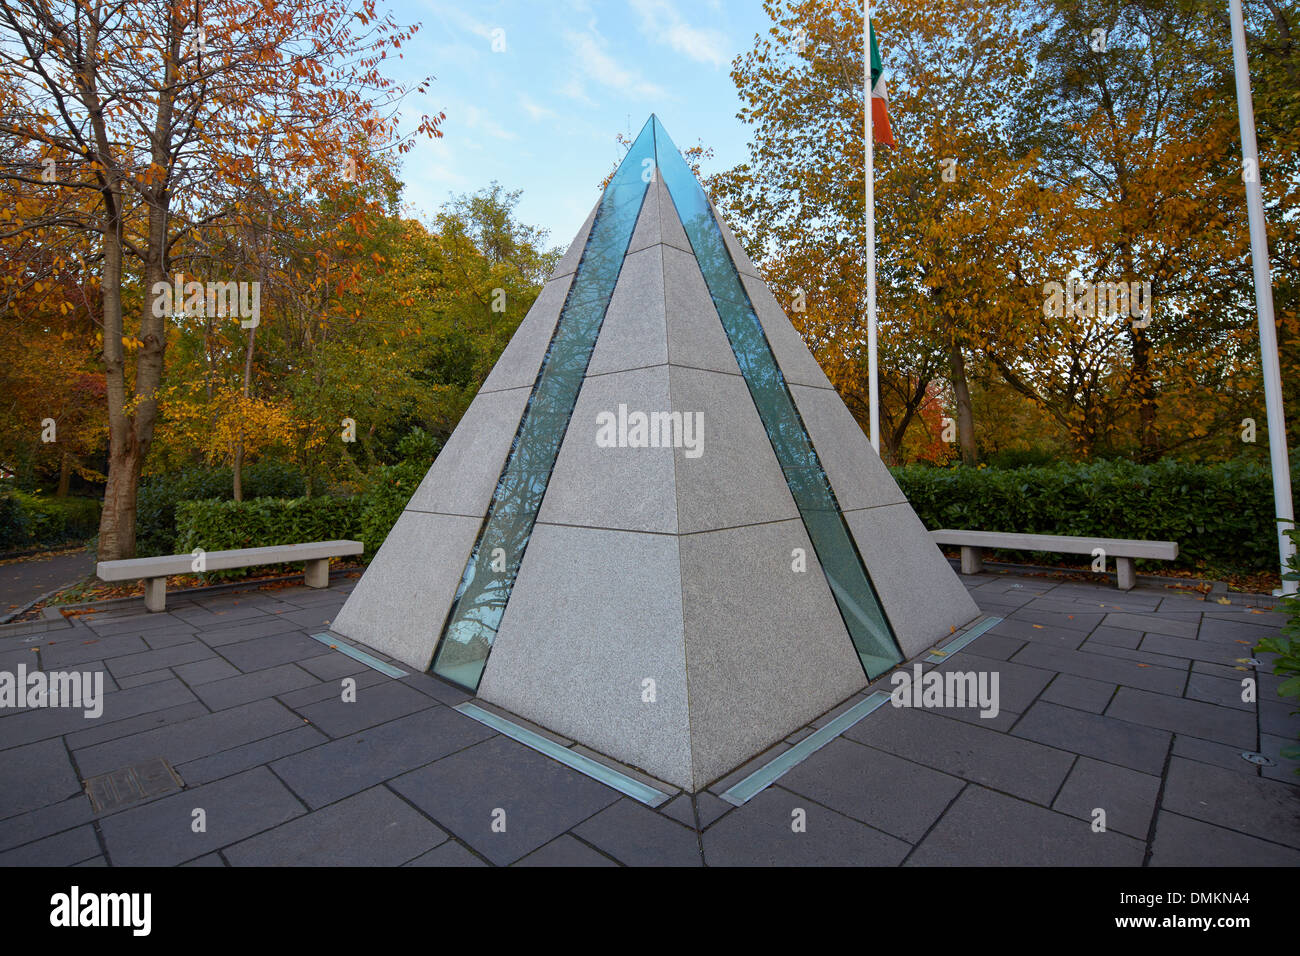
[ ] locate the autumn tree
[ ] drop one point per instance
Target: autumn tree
(170, 116)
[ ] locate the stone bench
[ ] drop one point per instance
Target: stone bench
(154, 571)
(1123, 550)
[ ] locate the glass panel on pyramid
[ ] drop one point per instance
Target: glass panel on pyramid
(657, 530)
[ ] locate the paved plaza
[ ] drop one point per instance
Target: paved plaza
(1125, 703)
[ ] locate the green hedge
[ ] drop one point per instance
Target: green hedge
(1221, 515)
(260, 522)
(155, 516)
(36, 521)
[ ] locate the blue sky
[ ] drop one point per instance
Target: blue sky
(542, 115)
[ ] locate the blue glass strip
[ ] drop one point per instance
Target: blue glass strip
(845, 572)
(359, 655)
(771, 771)
(961, 640)
(580, 762)
(493, 565)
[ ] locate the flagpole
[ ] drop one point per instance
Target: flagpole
(873, 386)
(1263, 298)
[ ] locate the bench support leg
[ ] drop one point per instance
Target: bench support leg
(1124, 571)
(155, 594)
(318, 573)
(972, 560)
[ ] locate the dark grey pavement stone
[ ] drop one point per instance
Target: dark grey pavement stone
(62, 849)
(248, 629)
(97, 733)
(565, 851)
(886, 792)
(984, 828)
(374, 705)
(1018, 684)
(1230, 671)
(1149, 658)
(263, 652)
(206, 671)
(1164, 623)
(706, 807)
(438, 689)
(681, 809)
(190, 739)
(271, 682)
(161, 833)
(1102, 668)
(1207, 721)
(1279, 718)
(540, 797)
(973, 753)
(1114, 741)
(125, 666)
(35, 776)
(450, 853)
(1284, 769)
(1216, 629)
(1207, 751)
(1263, 808)
(48, 820)
(334, 666)
(148, 677)
(166, 637)
(1079, 693)
(1180, 841)
(1058, 614)
(1212, 651)
(1128, 797)
(351, 764)
(1223, 691)
(236, 759)
(1115, 637)
(1049, 636)
(66, 650)
(995, 646)
(638, 836)
(331, 689)
(312, 617)
(761, 833)
(208, 859)
(137, 624)
(93, 861)
(310, 597)
(42, 723)
(374, 828)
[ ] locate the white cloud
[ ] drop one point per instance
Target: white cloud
(480, 120)
(535, 110)
(592, 59)
(662, 22)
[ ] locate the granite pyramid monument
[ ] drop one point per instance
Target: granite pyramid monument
(657, 530)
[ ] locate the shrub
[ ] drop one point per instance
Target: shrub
(36, 521)
(390, 488)
(1221, 515)
(216, 525)
(155, 519)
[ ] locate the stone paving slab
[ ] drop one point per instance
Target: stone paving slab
(1126, 703)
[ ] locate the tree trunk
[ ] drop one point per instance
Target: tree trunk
(117, 520)
(965, 420)
(1148, 442)
(65, 475)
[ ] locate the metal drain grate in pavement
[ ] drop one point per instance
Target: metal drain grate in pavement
(118, 788)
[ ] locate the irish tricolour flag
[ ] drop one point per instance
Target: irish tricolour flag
(879, 98)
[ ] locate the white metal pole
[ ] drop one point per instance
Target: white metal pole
(1263, 297)
(873, 385)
